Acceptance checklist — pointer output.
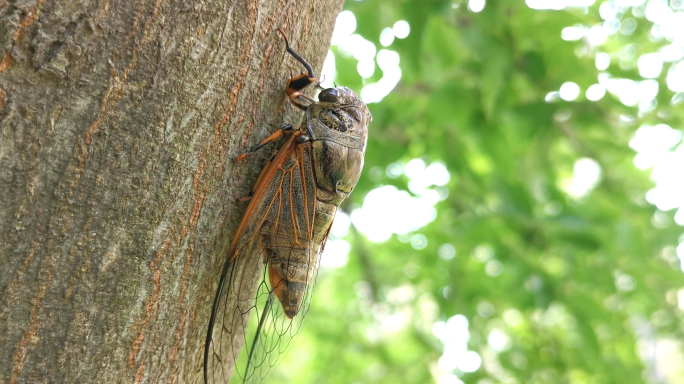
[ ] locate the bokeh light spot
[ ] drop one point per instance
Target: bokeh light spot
(401, 29)
(569, 91)
(476, 5)
(596, 92)
(386, 37)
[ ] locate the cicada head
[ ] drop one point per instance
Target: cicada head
(341, 109)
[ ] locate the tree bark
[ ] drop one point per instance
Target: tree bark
(118, 124)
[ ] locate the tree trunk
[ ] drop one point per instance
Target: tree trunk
(118, 124)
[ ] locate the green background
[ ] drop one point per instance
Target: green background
(578, 286)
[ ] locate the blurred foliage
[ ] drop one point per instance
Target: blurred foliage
(578, 285)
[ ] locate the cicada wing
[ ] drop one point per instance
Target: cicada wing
(248, 327)
(233, 303)
(270, 332)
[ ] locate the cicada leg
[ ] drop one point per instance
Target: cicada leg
(318, 84)
(285, 130)
(297, 83)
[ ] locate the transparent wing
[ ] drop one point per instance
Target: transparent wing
(248, 327)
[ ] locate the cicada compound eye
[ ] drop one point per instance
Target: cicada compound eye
(329, 95)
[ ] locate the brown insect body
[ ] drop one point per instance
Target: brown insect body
(335, 152)
(288, 220)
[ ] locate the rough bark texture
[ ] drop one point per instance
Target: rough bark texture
(118, 124)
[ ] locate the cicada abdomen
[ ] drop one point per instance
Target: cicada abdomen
(270, 270)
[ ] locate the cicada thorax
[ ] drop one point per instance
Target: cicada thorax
(334, 155)
(339, 131)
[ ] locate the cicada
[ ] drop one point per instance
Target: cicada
(276, 249)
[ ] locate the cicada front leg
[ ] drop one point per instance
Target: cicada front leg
(296, 84)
